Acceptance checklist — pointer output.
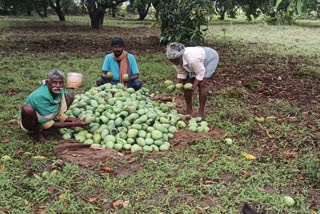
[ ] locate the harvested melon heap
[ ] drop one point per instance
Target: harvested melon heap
(122, 118)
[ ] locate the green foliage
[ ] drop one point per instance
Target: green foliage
(69, 7)
(230, 6)
(17, 7)
(310, 166)
(296, 6)
(254, 8)
(183, 21)
(141, 6)
(280, 19)
(287, 9)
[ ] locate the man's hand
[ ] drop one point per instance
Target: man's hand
(70, 122)
(71, 119)
(80, 123)
(77, 122)
(105, 76)
(179, 80)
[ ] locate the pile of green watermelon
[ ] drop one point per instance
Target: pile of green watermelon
(170, 86)
(124, 119)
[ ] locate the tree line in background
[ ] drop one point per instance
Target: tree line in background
(179, 20)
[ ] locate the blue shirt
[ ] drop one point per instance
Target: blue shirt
(112, 65)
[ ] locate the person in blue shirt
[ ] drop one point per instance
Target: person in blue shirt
(123, 66)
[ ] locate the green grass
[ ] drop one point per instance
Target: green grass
(176, 181)
(279, 40)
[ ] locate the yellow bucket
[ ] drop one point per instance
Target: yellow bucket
(74, 80)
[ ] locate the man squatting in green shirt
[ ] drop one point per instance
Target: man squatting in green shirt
(46, 107)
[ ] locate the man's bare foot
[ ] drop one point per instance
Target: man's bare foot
(40, 138)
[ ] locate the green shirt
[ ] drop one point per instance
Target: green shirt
(45, 106)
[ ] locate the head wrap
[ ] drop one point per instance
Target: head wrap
(117, 41)
(175, 50)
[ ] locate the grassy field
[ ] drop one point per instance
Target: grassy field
(264, 71)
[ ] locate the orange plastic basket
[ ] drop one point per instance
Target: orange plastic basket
(74, 80)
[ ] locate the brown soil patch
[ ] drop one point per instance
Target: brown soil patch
(314, 196)
(82, 154)
(279, 77)
(210, 201)
(226, 177)
(184, 138)
(127, 169)
(80, 40)
(159, 196)
(268, 188)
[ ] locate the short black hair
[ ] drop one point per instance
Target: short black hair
(117, 41)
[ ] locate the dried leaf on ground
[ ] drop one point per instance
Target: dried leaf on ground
(268, 134)
(54, 172)
(40, 210)
(76, 155)
(92, 199)
(271, 117)
(106, 169)
(5, 140)
(290, 154)
(245, 173)
(209, 182)
(62, 196)
(37, 176)
(212, 159)
(52, 189)
(249, 156)
(4, 210)
(311, 126)
(120, 204)
(96, 148)
(266, 130)
(39, 157)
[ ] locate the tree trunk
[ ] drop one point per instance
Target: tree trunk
(143, 13)
(97, 20)
(221, 11)
(61, 15)
(318, 10)
(113, 11)
(96, 14)
(97, 10)
(58, 10)
(222, 15)
(45, 12)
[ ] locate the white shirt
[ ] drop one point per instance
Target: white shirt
(193, 61)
